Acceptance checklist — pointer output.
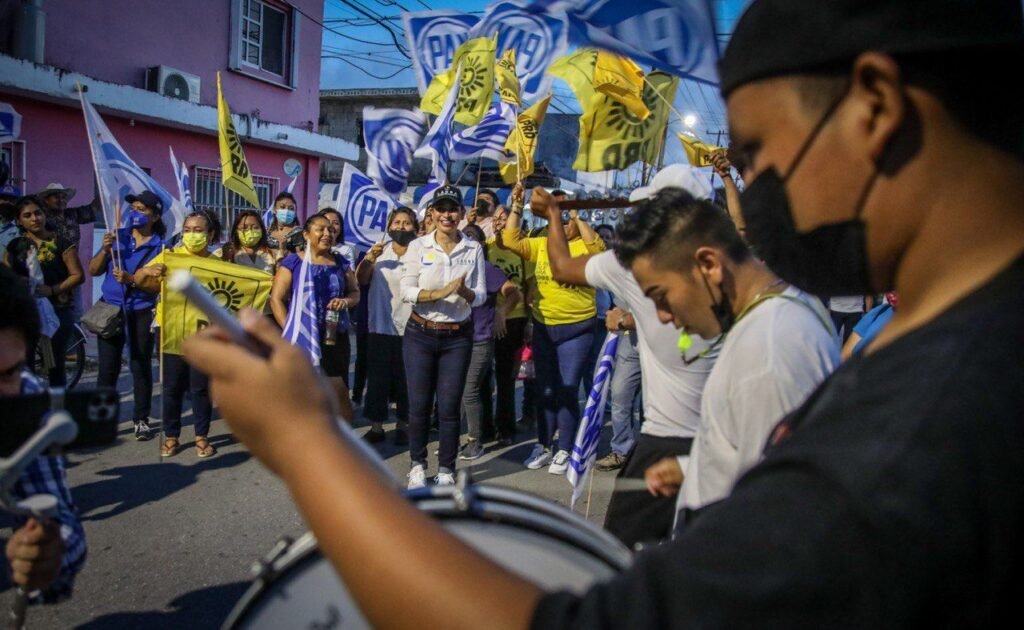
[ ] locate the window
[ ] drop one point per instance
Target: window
(13, 154)
(209, 194)
(264, 40)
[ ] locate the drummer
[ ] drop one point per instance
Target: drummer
(886, 500)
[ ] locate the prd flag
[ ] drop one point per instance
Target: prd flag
(364, 207)
(235, 170)
(476, 82)
(508, 82)
(523, 142)
(698, 153)
(577, 70)
(612, 138)
(621, 79)
(234, 286)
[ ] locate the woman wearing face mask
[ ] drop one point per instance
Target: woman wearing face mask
(387, 315)
(247, 244)
(58, 260)
(334, 290)
(178, 377)
(119, 259)
(284, 226)
(563, 331)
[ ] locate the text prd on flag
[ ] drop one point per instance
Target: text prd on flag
(508, 82)
(234, 286)
(697, 152)
(523, 142)
(235, 170)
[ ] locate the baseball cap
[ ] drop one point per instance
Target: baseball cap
(447, 193)
(682, 176)
(148, 199)
(816, 34)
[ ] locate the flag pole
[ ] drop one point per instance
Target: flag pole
(590, 493)
(160, 341)
(667, 102)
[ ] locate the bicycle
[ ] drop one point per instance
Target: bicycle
(74, 363)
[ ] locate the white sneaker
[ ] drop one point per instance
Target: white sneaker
(560, 463)
(417, 477)
(539, 457)
(444, 479)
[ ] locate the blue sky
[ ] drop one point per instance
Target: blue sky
(359, 52)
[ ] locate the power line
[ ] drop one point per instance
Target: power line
(365, 71)
(336, 32)
(377, 18)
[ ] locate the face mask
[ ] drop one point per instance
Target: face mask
(195, 242)
(285, 216)
(402, 237)
(137, 219)
(830, 259)
(721, 310)
(249, 238)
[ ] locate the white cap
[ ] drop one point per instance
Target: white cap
(683, 176)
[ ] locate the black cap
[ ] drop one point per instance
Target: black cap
(447, 193)
(148, 199)
(780, 37)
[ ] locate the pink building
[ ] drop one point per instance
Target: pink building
(150, 69)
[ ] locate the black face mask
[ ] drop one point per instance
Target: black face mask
(402, 237)
(830, 259)
(721, 310)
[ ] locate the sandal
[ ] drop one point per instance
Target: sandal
(169, 448)
(203, 447)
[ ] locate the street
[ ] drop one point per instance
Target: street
(171, 543)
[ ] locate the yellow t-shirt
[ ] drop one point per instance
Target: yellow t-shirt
(513, 267)
(557, 303)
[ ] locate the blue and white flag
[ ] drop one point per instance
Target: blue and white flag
(181, 176)
(433, 37)
(364, 208)
(584, 450)
(487, 138)
(538, 39)
(391, 137)
(426, 195)
(437, 144)
(677, 36)
(118, 175)
(301, 328)
(268, 214)
(10, 123)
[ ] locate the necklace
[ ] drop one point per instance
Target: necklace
(760, 297)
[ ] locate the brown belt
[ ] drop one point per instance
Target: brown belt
(446, 326)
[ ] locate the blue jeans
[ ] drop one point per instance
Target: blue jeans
(59, 342)
(561, 353)
(435, 364)
(624, 393)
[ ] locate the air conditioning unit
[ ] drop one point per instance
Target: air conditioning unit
(173, 83)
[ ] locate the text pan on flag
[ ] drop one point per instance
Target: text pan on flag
(365, 208)
(117, 175)
(232, 158)
(433, 38)
(584, 449)
(391, 137)
(677, 36)
(234, 286)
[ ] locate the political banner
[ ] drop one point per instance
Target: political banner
(118, 175)
(181, 177)
(487, 138)
(588, 435)
(474, 61)
(364, 207)
(433, 38)
(437, 144)
(234, 168)
(698, 153)
(234, 286)
(677, 36)
(506, 78)
(537, 38)
(391, 136)
(523, 141)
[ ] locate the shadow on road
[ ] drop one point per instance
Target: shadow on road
(129, 487)
(204, 608)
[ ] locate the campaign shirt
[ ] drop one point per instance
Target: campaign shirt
(387, 312)
(672, 390)
(132, 258)
(328, 284)
(889, 499)
(514, 268)
(483, 315)
(428, 267)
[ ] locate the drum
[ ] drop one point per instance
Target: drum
(296, 587)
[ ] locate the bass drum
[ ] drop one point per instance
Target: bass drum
(296, 587)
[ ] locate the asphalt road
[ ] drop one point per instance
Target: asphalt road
(172, 542)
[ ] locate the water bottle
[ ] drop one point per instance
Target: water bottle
(331, 328)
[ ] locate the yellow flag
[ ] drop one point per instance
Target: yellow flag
(622, 80)
(508, 81)
(523, 142)
(577, 70)
(235, 169)
(234, 286)
(697, 152)
(612, 137)
(476, 89)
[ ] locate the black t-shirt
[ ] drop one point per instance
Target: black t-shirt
(896, 501)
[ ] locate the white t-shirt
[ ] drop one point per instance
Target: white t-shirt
(847, 304)
(388, 313)
(771, 360)
(672, 390)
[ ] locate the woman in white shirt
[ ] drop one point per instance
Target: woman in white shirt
(382, 270)
(443, 280)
